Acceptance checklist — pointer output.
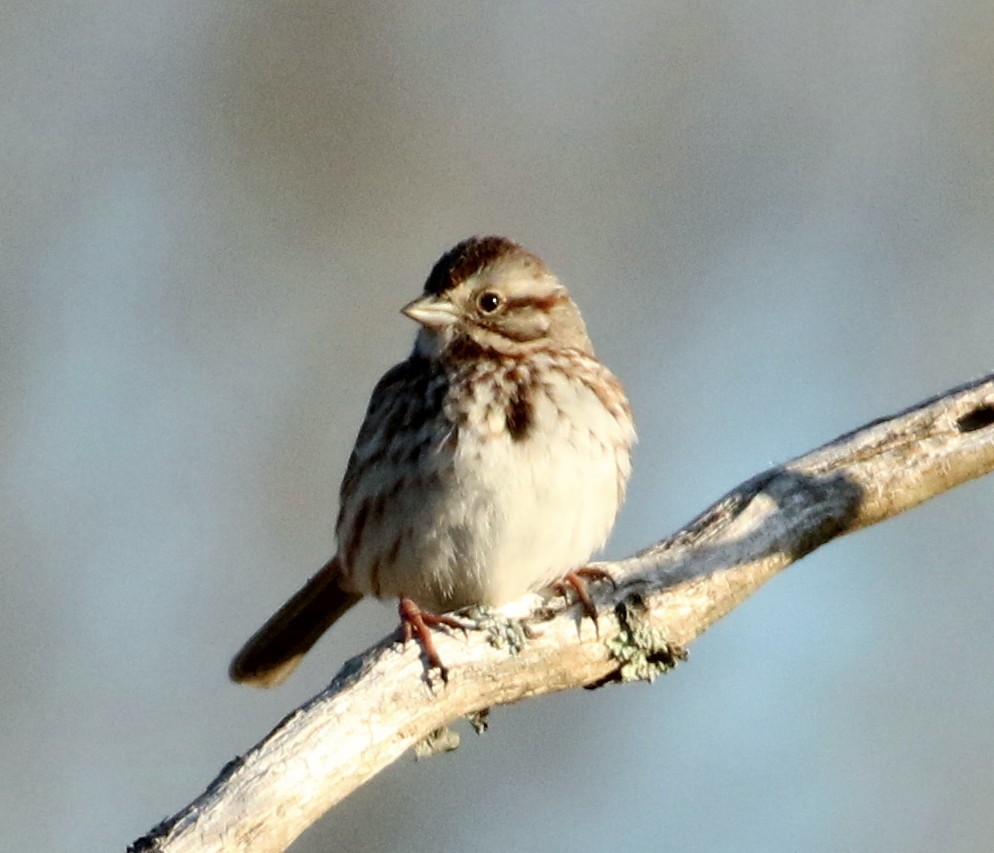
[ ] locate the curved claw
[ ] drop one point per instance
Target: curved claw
(417, 623)
(577, 580)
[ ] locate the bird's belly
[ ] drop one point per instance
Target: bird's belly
(552, 507)
(510, 514)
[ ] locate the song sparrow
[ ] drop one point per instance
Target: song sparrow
(490, 463)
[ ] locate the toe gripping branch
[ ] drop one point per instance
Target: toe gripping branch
(416, 623)
(579, 580)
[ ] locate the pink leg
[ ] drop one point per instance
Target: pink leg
(417, 623)
(577, 580)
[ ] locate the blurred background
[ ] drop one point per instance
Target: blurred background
(777, 217)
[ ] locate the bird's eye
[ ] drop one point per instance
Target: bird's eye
(489, 302)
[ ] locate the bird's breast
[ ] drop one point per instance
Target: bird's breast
(520, 482)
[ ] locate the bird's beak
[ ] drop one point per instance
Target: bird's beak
(432, 312)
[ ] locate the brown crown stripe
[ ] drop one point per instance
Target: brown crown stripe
(469, 257)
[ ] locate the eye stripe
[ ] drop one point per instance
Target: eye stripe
(542, 303)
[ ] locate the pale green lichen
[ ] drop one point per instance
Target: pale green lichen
(441, 740)
(502, 631)
(642, 650)
(479, 720)
(445, 739)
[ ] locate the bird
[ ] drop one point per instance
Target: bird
(491, 462)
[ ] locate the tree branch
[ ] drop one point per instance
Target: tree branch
(382, 703)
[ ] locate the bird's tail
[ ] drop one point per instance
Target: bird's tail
(274, 651)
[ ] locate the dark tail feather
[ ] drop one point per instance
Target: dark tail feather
(274, 651)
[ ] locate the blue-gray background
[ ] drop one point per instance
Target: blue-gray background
(777, 217)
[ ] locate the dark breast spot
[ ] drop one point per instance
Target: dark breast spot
(519, 412)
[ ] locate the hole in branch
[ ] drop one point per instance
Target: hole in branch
(977, 419)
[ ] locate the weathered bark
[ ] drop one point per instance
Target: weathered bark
(382, 703)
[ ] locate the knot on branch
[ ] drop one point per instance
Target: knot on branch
(982, 416)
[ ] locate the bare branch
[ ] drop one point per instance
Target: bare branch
(381, 704)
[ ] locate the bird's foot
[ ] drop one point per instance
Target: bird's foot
(578, 581)
(416, 623)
